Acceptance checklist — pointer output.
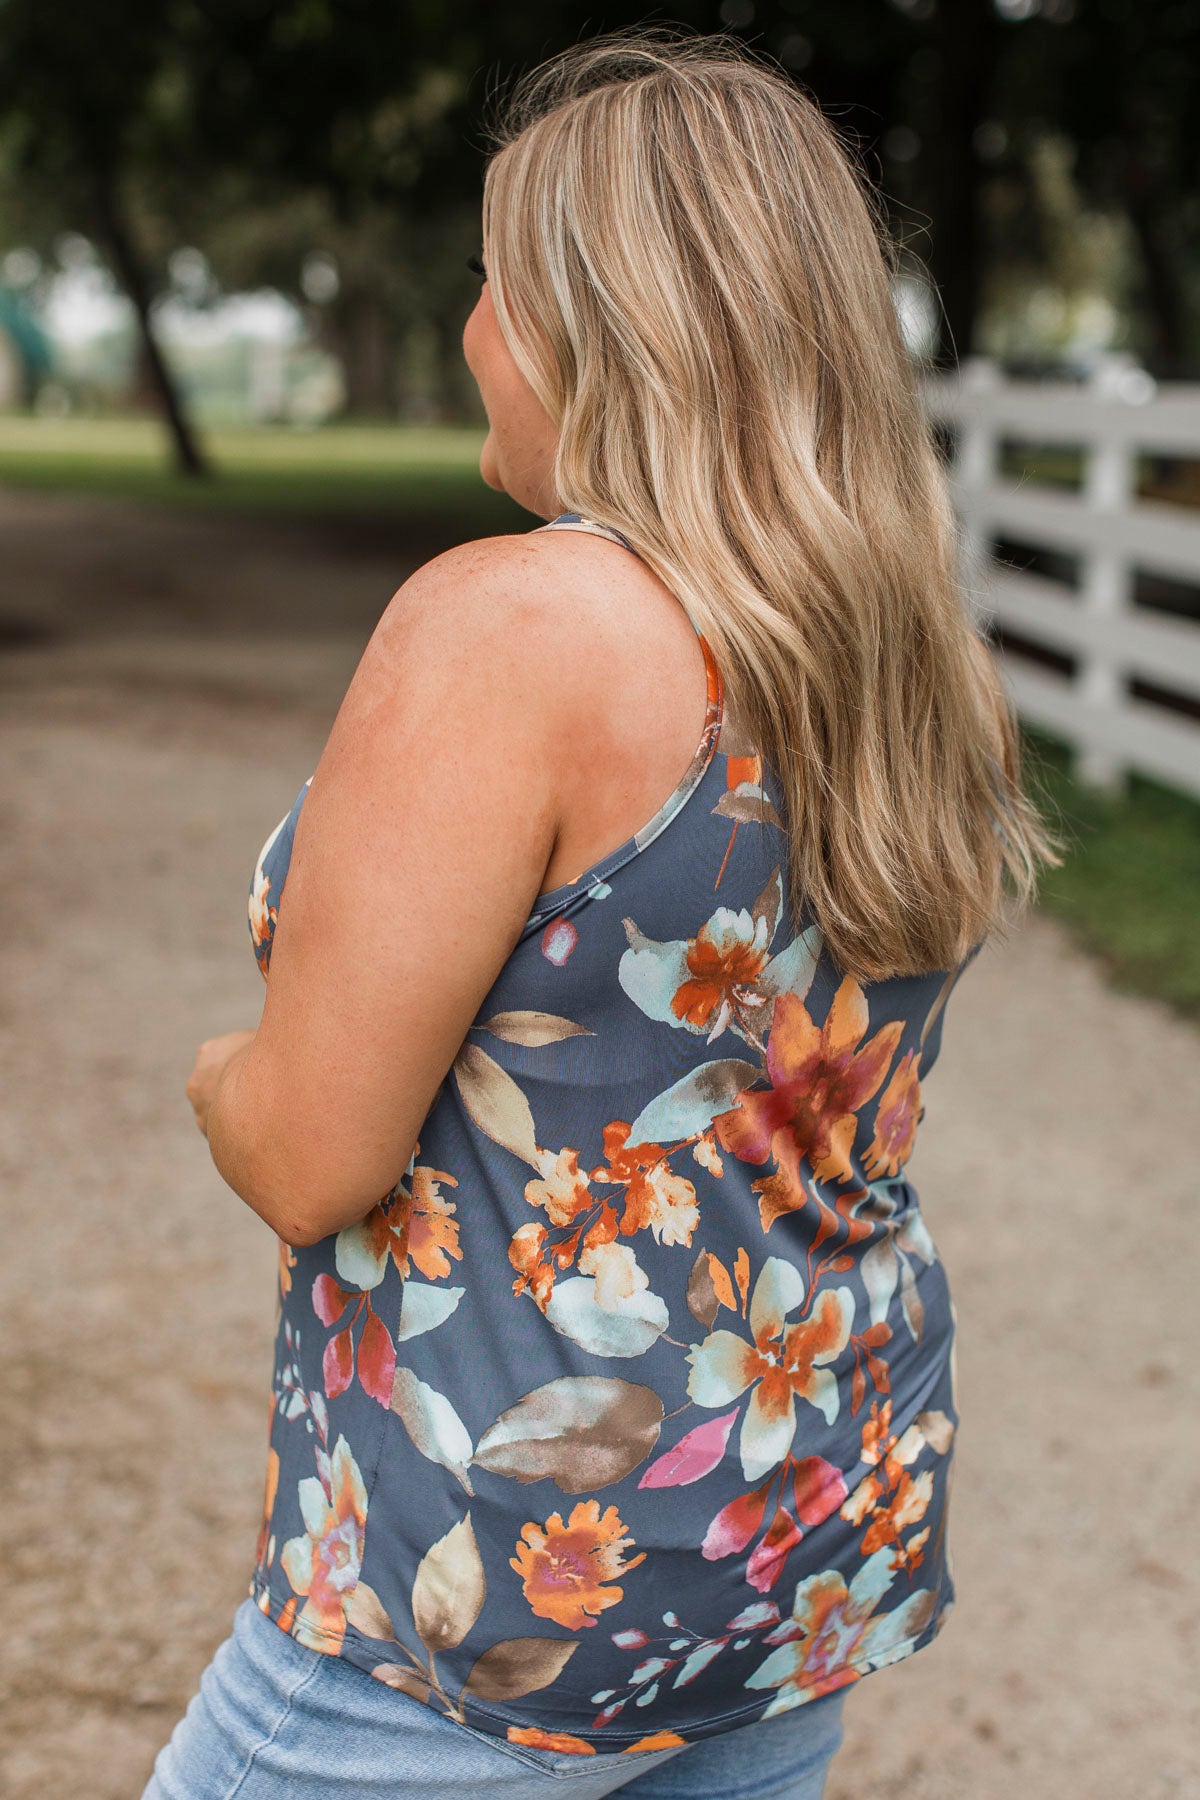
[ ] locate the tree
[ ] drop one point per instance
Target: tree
(1127, 92)
(73, 115)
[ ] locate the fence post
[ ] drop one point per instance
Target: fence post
(1106, 577)
(974, 471)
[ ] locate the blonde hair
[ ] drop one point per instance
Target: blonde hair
(685, 267)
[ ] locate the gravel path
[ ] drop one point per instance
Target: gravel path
(146, 747)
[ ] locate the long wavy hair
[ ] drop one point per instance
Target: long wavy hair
(689, 270)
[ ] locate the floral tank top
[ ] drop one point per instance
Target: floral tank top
(626, 1417)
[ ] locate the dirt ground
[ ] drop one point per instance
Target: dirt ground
(148, 742)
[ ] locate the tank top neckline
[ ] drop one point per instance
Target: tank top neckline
(597, 873)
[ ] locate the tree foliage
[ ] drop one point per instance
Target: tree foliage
(263, 129)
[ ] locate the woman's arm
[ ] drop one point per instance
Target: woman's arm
(419, 852)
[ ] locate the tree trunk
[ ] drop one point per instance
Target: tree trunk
(1163, 285)
(967, 37)
(362, 335)
(134, 279)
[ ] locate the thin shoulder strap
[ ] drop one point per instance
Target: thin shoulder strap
(573, 521)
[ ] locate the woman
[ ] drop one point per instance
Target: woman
(614, 1440)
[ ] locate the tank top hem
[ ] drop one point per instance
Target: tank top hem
(496, 1723)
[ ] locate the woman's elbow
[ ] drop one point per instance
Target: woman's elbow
(305, 1212)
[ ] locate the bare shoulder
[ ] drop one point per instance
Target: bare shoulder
(571, 585)
(561, 615)
(558, 664)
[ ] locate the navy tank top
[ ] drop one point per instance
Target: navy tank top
(626, 1417)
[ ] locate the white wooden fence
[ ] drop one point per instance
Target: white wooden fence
(1116, 417)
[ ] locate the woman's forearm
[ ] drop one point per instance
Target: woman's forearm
(231, 1135)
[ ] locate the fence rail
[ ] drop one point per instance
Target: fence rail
(1105, 644)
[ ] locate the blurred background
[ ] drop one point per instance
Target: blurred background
(233, 418)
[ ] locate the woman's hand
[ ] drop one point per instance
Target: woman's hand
(212, 1059)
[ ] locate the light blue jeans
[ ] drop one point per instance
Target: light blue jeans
(274, 1720)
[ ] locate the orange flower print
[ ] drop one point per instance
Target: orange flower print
(537, 1739)
(426, 1225)
(664, 1201)
(837, 1636)
(745, 798)
(412, 1228)
(323, 1566)
(877, 1431)
(820, 1077)
(563, 1568)
(784, 1361)
(723, 978)
(896, 1120)
(533, 1272)
(907, 1506)
(658, 1740)
(587, 1225)
(287, 1262)
(729, 951)
(617, 1274)
(563, 1191)
(742, 769)
(654, 1194)
(705, 1153)
(889, 1498)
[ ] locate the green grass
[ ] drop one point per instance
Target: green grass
(1129, 889)
(385, 470)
